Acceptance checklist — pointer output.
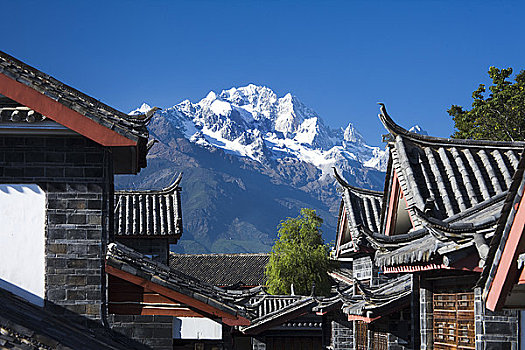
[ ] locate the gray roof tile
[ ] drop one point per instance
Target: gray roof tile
(130, 127)
(223, 269)
(149, 213)
(27, 326)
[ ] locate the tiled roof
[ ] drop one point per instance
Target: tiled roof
(378, 300)
(448, 176)
(271, 310)
(508, 213)
(363, 213)
(223, 269)
(149, 213)
(26, 326)
(363, 206)
(131, 127)
(229, 301)
(440, 241)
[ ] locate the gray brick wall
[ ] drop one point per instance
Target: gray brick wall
(427, 317)
(154, 331)
(494, 330)
(342, 334)
(76, 175)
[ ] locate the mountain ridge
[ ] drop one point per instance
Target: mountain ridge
(250, 159)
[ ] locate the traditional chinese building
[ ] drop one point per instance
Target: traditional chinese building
(431, 225)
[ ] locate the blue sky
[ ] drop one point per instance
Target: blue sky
(338, 57)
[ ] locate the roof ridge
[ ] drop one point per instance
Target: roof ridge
(221, 254)
(398, 130)
(38, 72)
(166, 190)
(360, 190)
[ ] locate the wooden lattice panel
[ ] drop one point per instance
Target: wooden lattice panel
(454, 321)
(361, 331)
(379, 341)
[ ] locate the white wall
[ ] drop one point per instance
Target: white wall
(22, 239)
(196, 328)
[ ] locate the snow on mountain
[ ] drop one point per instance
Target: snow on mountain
(416, 129)
(252, 121)
(141, 110)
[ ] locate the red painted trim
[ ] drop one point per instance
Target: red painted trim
(131, 309)
(507, 270)
(227, 318)
(61, 114)
(362, 318)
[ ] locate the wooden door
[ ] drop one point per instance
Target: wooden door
(361, 335)
(453, 321)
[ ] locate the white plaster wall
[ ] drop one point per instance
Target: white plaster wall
(22, 239)
(196, 328)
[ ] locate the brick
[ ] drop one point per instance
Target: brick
(76, 219)
(93, 234)
(76, 234)
(34, 157)
(76, 295)
(76, 204)
(14, 172)
(93, 280)
(77, 280)
(93, 295)
(56, 204)
(74, 172)
(76, 263)
(54, 172)
(34, 172)
(94, 219)
(93, 172)
(57, 248)
(54, 157)
(94, 158)
(55, 142)
(79, 309)
(56, 294)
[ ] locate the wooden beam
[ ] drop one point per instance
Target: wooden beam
(63, 115)
(227, 318)
(362, 318)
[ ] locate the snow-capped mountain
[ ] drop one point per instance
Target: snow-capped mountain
(416, 129)
(250, 159)
(252, 121)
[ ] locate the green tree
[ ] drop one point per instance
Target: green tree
(299, 257)
(497, 114)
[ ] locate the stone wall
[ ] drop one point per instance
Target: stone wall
(77, 177)
(153, 331)
(495, 330)
(342, 333)
(426, 315)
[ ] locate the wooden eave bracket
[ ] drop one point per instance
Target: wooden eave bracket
(228, 319)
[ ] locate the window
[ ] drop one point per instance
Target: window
(454, 321)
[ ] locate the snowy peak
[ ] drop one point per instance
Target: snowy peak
(352, 135)
(252, 121)
(141, 110)
(416, 129)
